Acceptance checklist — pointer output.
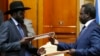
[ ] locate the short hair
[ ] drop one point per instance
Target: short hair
(90, 9)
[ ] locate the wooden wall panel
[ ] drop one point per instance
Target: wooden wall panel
(4, 7)
(60, 16)
(64, 12)
(47, 15)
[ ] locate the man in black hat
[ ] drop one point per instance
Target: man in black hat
(13, 33)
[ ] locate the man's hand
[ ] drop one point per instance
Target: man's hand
(71, 51)
(26, 40)
(51, 34)
(53, 41)
(41, 51)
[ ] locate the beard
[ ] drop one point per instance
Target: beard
(83, 20)
(21, 21)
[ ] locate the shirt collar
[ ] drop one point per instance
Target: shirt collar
(88, 22)
(15, 22)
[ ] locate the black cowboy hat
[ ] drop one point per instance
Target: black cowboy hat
(15, 6)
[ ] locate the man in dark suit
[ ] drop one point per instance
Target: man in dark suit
(88, 42)
(13, 33)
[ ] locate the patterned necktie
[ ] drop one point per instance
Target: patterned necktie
(84, 27)
(82, 31)
(21, 30)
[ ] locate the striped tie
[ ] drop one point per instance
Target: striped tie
(21, 30)
(23, 51)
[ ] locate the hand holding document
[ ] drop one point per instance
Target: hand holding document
(45, 35)
(56, 53)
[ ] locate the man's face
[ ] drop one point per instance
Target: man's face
(20, 16)
(83, 16)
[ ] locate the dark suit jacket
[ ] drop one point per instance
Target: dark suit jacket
(9, 40)
(87, 44)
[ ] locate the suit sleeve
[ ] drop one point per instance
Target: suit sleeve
(94, 48)
(31, 49)
(4, 37)
(63, 46)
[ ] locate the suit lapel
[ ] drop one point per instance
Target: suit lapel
(87, 31)
(15, 28)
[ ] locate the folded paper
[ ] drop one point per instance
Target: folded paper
(46, 35)
(56, 53)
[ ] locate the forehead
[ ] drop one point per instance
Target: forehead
(20, 12)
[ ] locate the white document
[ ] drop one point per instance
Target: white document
(56, 53)
(40, 37)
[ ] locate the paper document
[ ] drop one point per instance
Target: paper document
(56, 53)
(46, 35)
